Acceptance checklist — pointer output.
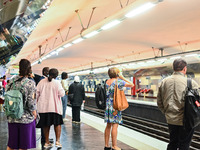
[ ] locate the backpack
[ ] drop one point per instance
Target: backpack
(100, 96)
(14, 102)
(192, 107)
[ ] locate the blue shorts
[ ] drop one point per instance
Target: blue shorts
(22, 136)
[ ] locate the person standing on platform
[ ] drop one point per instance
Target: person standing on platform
(1, 92)
(170, 101)
(22, 132)
(112, 119)
(45, 73)
(4, 83)
(31, 76)
(64, 83)
(49, 104)
(76, 96)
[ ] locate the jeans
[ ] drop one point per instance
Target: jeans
(179, 137)
(4, 91)
(64, 104)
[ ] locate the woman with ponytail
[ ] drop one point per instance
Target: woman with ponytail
(49, 104)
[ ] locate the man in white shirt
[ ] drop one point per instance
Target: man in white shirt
(65, 86)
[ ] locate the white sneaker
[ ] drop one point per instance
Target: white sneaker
(65, 119)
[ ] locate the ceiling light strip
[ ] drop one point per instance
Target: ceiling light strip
(140, 9)
(153, 61)
(91, 34)
(67, 45)
(77, 40)
(104, 27)
(111, 24)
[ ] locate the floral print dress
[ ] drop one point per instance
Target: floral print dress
(109, 117)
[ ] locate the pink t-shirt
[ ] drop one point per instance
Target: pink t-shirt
(49, 96)
(4, 83)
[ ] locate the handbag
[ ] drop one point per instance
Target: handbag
(119, 99)
(192, 107)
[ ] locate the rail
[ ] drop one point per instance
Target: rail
(145, 126)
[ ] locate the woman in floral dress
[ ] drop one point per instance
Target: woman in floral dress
(113, 118)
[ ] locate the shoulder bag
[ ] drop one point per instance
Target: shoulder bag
(192, 107)
(119, 99)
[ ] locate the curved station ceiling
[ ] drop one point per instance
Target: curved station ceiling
(63, 38)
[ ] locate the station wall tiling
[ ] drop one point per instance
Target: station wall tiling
(145, 78)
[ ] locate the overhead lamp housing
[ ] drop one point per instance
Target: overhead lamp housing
(111, 24)
(60, 49)
(190, 55)
(67, 45)
(91, 34)
(77, 40)
(176, 57)
(140, 9)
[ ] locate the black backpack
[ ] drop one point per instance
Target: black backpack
(100, 96)
(192, 107)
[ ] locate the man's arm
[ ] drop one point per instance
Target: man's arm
(159, 99)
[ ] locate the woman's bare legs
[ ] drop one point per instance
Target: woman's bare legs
(8, 148)
(107, 134)
(57, 130)
(46, 134)
(114, 136)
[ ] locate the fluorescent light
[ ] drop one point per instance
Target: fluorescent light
(43, 58)
(67, 45)
(91, 34)
(139, 10)
(190, 55)
(111, 24)
(176, 57)
(59, 49)
(99, 70)
(77, 40)
(151, 61)
(125, 65)
(34, 63)
(52, 53)
(48, 56)
(131, 64)
(140, 63)
(164, 59)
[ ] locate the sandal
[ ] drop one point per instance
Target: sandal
(116, 148)
(107, 148)
(58, 144)
(46, 145)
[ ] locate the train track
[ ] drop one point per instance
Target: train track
(145, 126)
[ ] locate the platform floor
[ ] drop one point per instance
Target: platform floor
(73, 137)
(88, 135)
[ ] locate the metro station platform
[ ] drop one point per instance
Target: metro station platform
(88, 135)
